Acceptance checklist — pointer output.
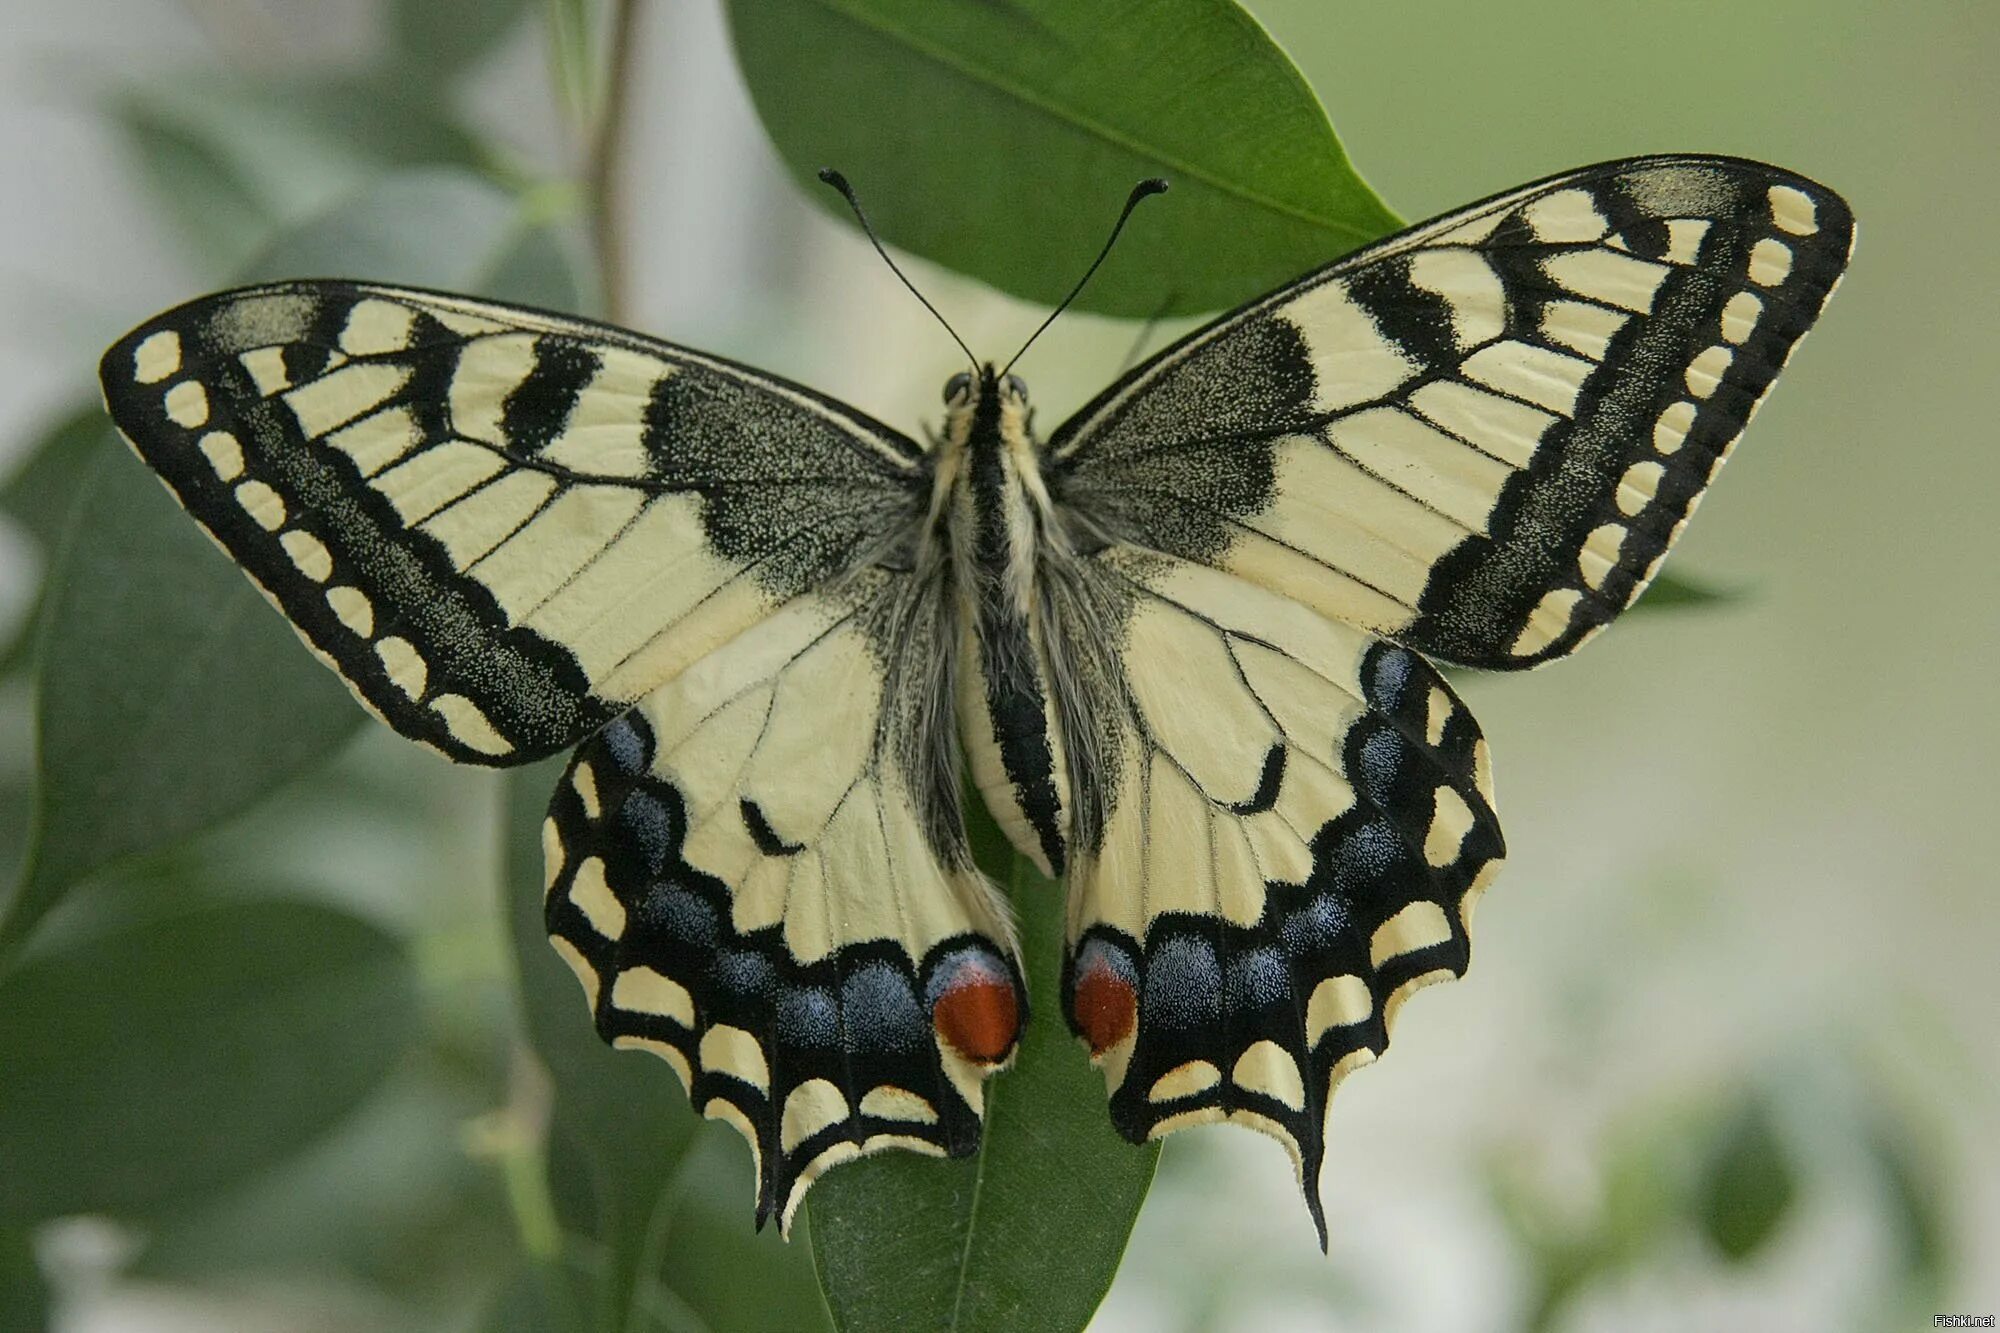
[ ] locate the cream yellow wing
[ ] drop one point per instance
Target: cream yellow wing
(500, 526)
(761, 875)
(1479, 436)
(1283, 824)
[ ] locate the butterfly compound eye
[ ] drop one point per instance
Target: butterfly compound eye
(957, 387)
(1016, 387)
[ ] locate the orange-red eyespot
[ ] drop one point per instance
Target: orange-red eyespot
(975, 1007)
(1104, 1003)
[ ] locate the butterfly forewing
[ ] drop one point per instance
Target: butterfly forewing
(500, 526)
(1479, 436)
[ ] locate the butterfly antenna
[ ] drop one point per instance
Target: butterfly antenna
(839, 182)
(1145, 189)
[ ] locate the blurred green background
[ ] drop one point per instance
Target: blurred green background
(1725, 1058)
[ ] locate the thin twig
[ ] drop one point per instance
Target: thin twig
(604, 169)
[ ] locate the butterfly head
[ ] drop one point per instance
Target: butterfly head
(988, 402)
(964, 391)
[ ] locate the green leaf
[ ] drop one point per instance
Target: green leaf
(998, 137)
(38, 491)
(220, 209)
(536, 1300)
(544, 268)
(17, 797)
(170, 696)
(390, 1197)
(717, 1266)
(1748, 1184)
(1919, 1209)
(432, 40)
(573, 58)
(425, 226)
(155, 1062)
(623, 1119)
(234, 161)
(662, 1200)
(24, 1296)
(40, 494)
(1028, 1233)
(392, 119)
(1670, 592)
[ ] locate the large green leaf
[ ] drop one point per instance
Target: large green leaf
(1744, 1190)
(575, 66)
(40, 493)
(655, 1204)
(431, 40)
(36, 494)
(1027, 1234)
(232, 161)
(717, 1266)
(171, 697)
(24, 1296)
(1000, 137)
(1673, 592)
(424, 226)
(151, 1063)
(390, 1198)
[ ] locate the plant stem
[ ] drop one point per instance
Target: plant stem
(603, 174)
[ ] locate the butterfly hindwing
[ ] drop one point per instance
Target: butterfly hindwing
(1295, 819)
(758, 875)
(500, 526)
(1479, 436)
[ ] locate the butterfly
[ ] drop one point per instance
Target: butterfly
(1186, 646)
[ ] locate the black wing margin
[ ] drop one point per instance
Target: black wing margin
(760, 875)
(500, 526)
(1295, 822)
(1480, 436)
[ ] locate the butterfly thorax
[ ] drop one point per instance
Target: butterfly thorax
(996, 510)
(998, 522)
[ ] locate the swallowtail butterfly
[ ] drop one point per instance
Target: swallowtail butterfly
(1185, 645)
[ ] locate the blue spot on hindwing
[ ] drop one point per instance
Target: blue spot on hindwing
(1183, 988)
(682, 915)
(1383, 755)
(881, 1011)
(626, 740)
(1391, 673)
(1258, 978)
(1100, 952)
(809, 1018)
(1315, 926)
(652, 828)
(962, 963)
(1373, 863)
(744, 973)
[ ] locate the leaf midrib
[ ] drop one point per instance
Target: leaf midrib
(972, 1216)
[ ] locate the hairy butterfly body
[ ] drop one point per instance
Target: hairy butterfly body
(1183, 646)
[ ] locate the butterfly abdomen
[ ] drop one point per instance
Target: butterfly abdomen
(1006, 708)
